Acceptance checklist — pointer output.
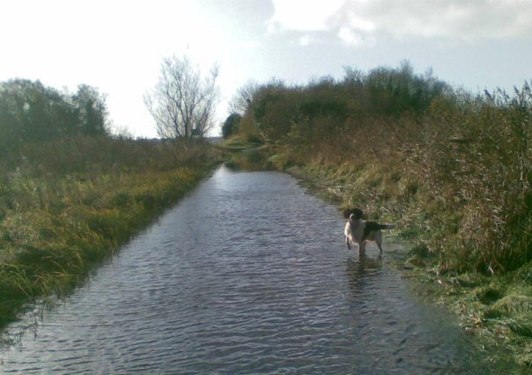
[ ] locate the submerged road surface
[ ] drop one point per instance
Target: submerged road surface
(246, 275)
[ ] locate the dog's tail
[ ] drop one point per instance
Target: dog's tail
(386, 226)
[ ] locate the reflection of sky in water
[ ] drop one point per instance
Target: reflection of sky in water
(248, 274)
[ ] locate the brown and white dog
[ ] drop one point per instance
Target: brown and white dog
(358, 231)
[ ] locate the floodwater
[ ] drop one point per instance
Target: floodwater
(246, 275)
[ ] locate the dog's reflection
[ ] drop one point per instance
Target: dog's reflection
(360, 270)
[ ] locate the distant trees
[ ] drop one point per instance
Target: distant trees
(90, 110)
(396, 91)
(230, 125)
(243, 97)
(327, 107)
(274, 108)
(30, 111)
(183, 101)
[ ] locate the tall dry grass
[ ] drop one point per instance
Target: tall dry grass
(477, 164)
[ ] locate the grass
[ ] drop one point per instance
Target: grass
(58, 223)
(497, 310)
(238, 143)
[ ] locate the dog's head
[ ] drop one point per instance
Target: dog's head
(353, 213)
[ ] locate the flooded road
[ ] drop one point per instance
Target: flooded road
(248, 274)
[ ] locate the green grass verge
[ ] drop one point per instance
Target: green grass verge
(237, 143)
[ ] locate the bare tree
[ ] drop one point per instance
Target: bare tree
(183, 101)
(243, 97)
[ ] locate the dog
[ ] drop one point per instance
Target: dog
(358, 231)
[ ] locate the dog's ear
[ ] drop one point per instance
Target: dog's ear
(347, 212)
(357, 213)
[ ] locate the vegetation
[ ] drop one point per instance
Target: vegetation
(451, 168)
(71, 196)
(30, 111)
(183, 102)
(230, 125)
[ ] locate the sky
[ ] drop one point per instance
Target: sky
(118, 46)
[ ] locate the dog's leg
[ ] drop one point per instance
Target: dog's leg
(348, 234)
(378, 241)
(362, 248)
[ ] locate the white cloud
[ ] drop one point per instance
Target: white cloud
(348, 36)
(356, 22)
(361, 24)
(303, 15)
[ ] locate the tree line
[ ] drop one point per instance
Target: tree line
(273, 110)
(31, 111)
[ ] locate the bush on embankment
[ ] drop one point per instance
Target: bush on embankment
(67, 204)
(452, 169)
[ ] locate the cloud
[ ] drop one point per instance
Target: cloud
(302, 15)
(450, 18)
(359, 22)
(354, 37)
